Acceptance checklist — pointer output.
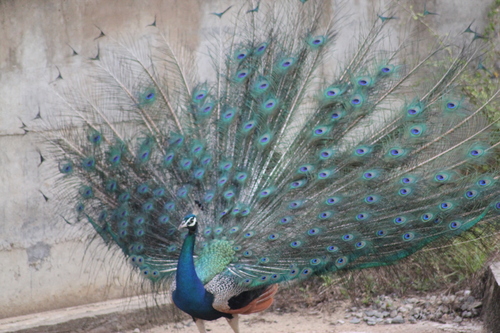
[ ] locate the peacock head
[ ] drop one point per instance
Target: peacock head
(189, 222)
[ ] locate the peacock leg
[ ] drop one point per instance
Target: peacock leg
(200, 324)
(233, 322)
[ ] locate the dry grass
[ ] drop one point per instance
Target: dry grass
(446, 269)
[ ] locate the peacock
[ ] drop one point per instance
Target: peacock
(286, 163)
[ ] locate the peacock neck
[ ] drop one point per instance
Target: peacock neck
(190, 294)
(187, 281)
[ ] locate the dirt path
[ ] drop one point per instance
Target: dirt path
(129, 315)
(313, 323)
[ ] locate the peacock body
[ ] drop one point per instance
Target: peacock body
(276, 171)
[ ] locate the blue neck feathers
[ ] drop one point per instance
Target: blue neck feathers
(190, 296)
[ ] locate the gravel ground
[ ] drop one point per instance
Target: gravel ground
(458, 312)
(313, 323)
(388, 314)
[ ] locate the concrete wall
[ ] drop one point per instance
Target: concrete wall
(491, 300)
(43, 261)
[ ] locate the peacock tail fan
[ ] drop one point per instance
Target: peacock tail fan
(292, 165)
